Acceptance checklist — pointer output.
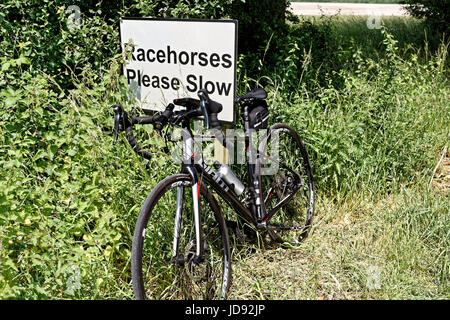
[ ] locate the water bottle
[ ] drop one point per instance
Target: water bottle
(229, 177)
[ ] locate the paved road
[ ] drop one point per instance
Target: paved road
(358, 9)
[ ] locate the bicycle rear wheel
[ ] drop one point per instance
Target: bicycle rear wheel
(158, 272)
(284, 171)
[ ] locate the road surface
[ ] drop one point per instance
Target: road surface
(347, 9)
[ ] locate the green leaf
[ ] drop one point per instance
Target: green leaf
(10, 101)
(22, 60)
(6, 66)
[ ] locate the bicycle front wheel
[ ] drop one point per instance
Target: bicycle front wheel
(286, 182)
(160, 273)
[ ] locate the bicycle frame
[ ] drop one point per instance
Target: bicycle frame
(253, 214)
(248, 214)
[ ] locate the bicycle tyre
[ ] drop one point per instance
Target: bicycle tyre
(151, 255)
(299, 210)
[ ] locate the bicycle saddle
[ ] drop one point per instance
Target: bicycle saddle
(258, 93)
(188, 103)
(192, 103)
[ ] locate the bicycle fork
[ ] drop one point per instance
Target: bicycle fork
(177, 222)
(188, 168)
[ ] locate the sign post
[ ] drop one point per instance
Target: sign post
(172, 58)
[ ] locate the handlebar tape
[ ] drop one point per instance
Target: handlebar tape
(127, 123)
(135, 145)
(144, 120)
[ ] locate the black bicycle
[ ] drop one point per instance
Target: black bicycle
(181, 246)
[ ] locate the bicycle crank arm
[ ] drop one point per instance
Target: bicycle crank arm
(281, 203)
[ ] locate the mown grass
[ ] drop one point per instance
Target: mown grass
(412, 36)
(350, 1)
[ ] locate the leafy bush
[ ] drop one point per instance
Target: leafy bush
(377, 127)
(352, 1)
(259, 20)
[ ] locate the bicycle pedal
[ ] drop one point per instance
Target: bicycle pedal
(197, 260)
(178, 260)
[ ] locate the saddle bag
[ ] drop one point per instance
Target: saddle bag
(259, 113)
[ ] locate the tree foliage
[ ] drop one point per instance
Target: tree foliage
(59, 50)
(435, 12)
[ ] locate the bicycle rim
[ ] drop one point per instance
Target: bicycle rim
(284, 170)
(156, 274)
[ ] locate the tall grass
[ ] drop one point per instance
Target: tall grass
(411, 34)
(374, 137)
(373, 124)
(381, 127)
(396, 248)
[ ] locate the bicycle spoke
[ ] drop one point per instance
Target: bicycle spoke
(166, 276)
(290, 187)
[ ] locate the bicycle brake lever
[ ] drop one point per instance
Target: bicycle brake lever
(116, 127)
(166, 147)
(205, 113)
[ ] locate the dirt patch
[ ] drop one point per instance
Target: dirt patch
(441, 177)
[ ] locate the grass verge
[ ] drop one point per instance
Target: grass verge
(395, 247)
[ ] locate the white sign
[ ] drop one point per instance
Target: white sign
(175, 58)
